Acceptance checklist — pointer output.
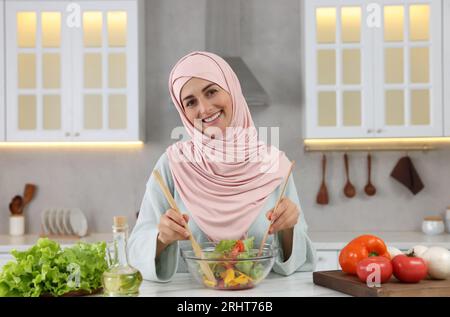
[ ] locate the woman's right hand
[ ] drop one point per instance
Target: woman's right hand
(172, 227)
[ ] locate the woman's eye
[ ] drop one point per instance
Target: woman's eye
(190, 103)
(211, 92)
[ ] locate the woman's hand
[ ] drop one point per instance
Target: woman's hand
(172, 227)
(284, 217)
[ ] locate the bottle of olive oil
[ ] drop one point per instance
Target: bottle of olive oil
(121, 279)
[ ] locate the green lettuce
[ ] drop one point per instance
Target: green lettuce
(47, 269)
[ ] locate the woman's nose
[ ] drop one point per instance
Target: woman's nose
(204, 106)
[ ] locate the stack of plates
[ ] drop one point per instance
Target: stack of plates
(64, 221)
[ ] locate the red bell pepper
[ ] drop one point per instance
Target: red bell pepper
(360, 248)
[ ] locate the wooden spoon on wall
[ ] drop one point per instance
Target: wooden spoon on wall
(369, 189)
(322, 196)
(349, 189)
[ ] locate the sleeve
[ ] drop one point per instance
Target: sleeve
(143, 239)
(303, 256)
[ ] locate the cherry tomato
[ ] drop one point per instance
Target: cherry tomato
(367, 268)
(409, 269)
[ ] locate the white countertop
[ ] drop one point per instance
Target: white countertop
(321, 240)
(296, 285)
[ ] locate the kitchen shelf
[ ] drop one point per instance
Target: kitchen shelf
(381, 144)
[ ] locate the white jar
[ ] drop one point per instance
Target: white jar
(16, 225)
(433, 226)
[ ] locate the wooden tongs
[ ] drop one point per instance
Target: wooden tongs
(261, 247)
(195, 246)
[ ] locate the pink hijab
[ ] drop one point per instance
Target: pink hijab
(224, 196)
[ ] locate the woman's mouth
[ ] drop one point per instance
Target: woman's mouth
(213, 119)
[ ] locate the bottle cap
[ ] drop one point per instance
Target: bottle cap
(120, 221)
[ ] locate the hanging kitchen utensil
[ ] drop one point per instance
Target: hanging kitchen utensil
(261, 247)
(322, 196)
(349, 189)
(369, 189)
(195, 246)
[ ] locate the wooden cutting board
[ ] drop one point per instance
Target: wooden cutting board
(351, 285)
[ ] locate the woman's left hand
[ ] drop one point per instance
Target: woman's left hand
(284, 217)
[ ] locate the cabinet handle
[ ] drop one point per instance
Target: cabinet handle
(77, 134)
(67, 134)
(369, 130)
(379, 130)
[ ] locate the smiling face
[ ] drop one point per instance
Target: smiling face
(207, 104)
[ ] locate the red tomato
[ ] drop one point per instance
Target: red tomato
(240, 246)
(409, 269)
(367, 268)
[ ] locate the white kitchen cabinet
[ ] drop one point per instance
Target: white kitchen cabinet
(75, 70)
(327, 260)
(446, 37)
(2, 74)
(368, 81)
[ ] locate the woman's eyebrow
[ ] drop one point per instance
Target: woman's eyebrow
(204, 88)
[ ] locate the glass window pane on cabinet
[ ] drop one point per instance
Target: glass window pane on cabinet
(393, 65)
(26, 29)
(419, 22)
(326, 67)
(52, 112)
(352, 108)
(92, 70)
(92, 29)
(51, 29)
(117, 28)
(93, 114)
(117, 111)
(117, 70)
(351, 24)
(351, 66)
(27, 112)
(393, 23)
(395, 107)
(420, 107)
(327, 108)
(326, 25)
(51, 70)
(26, 70)
(419, 64)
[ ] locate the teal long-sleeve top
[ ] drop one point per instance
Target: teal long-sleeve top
(143, 239)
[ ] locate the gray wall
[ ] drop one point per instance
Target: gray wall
(104, 183)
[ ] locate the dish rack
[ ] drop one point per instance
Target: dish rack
(63, 223)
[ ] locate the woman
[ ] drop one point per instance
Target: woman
(224, 181)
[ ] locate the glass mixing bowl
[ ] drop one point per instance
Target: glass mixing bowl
(231, 273)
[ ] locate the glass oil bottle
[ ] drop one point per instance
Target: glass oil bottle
(121, 279)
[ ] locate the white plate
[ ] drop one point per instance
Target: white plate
(50, 222)
(45, 228)
(59, 219)
(78, 222)
(66, 221)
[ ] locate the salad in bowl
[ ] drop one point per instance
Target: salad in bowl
(234, 263)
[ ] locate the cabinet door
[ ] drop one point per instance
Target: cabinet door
(38, 71)
(2, 73)
(338, 69)
(408, 69)
(106, 87)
